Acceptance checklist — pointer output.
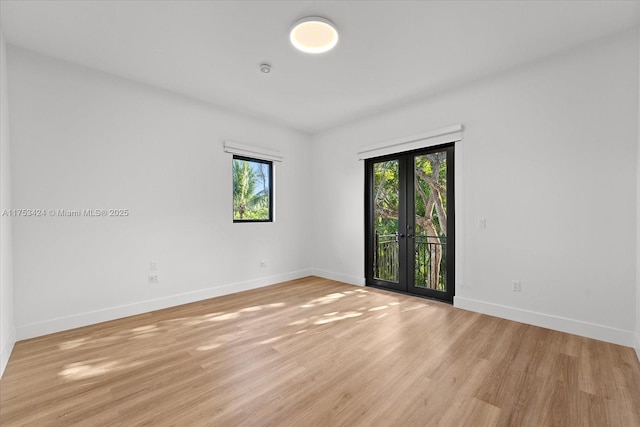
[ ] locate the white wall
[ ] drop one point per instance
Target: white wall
(82, 139)
(549, 159)
(637, 341)
(7, 330)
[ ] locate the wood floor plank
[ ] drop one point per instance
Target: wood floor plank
(318, 352)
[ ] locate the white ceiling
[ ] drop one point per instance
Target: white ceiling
(390, 52)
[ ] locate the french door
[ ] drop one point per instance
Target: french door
(410, 222)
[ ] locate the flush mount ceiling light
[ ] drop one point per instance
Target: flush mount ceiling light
(314, 34)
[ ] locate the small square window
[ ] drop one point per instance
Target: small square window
(252, 190)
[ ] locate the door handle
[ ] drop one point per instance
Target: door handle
(401, 235)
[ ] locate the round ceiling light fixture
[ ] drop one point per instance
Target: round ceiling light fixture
(314, 34)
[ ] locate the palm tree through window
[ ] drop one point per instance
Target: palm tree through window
(252, 190)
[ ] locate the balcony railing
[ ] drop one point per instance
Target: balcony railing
(386, 259)
(430, 260)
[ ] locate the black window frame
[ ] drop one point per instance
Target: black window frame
(270, 183)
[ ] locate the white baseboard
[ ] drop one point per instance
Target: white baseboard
(6, 349)
(638, 342)
(36, 329)
(563, 324)
(352, 280)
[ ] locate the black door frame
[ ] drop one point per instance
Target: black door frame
(405, 215)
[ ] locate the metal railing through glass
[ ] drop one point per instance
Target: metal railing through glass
(429, 256)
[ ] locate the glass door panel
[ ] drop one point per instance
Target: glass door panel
(386, 216)
(430, 221)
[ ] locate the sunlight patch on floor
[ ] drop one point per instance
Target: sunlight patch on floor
(250, 309)
(83, 370)
(337, 316)
(68, 345)
(327, 299)
(227, 316)
(208, 346)
(415, 307)
(221, 340)
(276, 304)
(144, 329)
(271, 340)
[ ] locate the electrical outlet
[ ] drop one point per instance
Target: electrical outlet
(154, 266)
(515, 286)
(153, 278)
(263, 263)
(482, 223)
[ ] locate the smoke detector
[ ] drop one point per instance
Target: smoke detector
(265, 68)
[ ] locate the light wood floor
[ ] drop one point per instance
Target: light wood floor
(317, 352)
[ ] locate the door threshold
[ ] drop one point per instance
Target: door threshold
(382, 288)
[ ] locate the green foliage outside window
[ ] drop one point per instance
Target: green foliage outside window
(252, 182)
(430, 220)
